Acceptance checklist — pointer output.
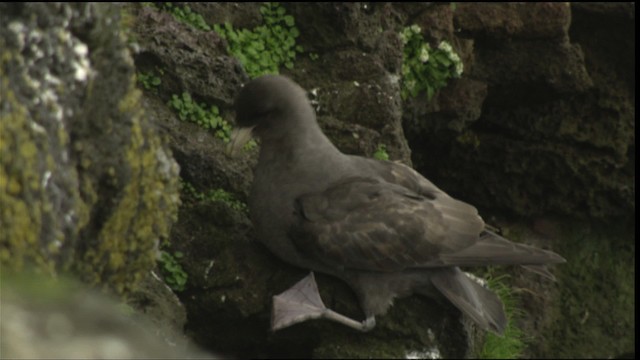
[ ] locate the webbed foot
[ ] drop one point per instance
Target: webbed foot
(302, 302)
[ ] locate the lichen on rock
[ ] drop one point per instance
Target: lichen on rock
(86, 184)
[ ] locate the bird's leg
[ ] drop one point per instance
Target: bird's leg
(367, 325)
(302, 302)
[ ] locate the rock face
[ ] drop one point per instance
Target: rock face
(553, 101)
(541, 124)
(83, 172)
(364, 36)
(87, 187)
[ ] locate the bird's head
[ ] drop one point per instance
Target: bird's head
(265, 105)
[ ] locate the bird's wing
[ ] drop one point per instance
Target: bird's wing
(371, 224)
(492, 248)
(399, 221)
(489, 249)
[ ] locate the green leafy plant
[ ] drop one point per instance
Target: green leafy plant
(267, 47)
(185, 15)
(381, 153)
(149, 80)
(189, 110)
(226, 197)
(213, 195)
(172, 271)
(425, 69)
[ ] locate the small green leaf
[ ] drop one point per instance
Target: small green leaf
(381, 153)
(251, 51)
(289, 20)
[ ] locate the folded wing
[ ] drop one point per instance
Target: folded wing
(370, 224)
(398, 221)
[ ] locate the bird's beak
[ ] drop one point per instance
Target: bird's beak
(239, 137)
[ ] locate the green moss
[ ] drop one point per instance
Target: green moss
(597, 286)
(127, 242)
(22, 203)
(89, 199)
(591, 311)
(118, 198)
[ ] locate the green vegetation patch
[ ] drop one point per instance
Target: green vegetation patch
(512, 344)
(184, 14)
(206, 116)
(593, 312)
(596, 317)
(149, 80)
(23, 204)
(381, 153)
(425, 69)
(212, 195)
(262, 50)
(172, 272)
(267, 47)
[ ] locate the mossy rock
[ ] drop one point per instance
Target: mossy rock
(86, 184)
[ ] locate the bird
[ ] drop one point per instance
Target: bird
(378, 225)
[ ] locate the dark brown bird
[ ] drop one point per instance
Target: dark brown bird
(378, 225)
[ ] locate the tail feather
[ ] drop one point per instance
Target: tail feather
(493, 249)
(480, 304)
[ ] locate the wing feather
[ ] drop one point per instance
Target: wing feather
(369, 224)
(397, 221)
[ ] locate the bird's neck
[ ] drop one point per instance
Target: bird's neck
(303, 143)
